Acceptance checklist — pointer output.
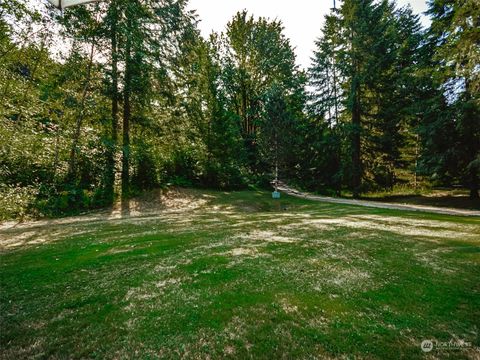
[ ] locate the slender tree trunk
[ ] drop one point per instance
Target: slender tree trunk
(110, 181)
(33, 72)
(127, 114)
(56, 151)
(474, 184)
(276, 160)
(335, 95)
(356, 146)
(246, 123)
(473, 142)
(415, 180)
(330, 123)
(72, 166)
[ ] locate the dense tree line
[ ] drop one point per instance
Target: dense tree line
(397, 100)
(113, 98)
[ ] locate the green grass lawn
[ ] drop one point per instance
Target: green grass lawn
(237, 275)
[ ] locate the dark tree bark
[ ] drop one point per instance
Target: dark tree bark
(127, 113)
(356, 141)
(72, 165)
(474, 184)
(110, 181)
(472, 138)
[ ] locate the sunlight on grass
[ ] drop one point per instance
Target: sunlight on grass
(233, 276)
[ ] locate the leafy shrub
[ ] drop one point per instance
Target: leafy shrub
(16, 201)
(145, 175)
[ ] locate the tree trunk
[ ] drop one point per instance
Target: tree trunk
(246, 124)
(335, 95)
(474, 184)
(472, 139)
(356, 147)
(110, 181)
(127, 114)
(72, 166)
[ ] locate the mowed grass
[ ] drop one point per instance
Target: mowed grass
(238, 275)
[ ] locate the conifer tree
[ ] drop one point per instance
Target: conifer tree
(456, 40)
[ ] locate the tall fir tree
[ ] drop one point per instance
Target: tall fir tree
(455, 38)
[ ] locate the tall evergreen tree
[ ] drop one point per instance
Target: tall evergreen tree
(322, 134)
(277, 136)
(370, 50)
(456, 40)
(360, 59)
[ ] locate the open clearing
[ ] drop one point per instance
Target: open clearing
(236, 275)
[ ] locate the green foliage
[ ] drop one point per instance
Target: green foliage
(145, 176)
(16, 201)
(139, 99)
(278, 135)
(451, 132)
(256, 56)
(368, 83)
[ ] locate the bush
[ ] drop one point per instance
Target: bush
(66, 199)
(224, 176)
(181, 167)
(145, 175)
(16, 201)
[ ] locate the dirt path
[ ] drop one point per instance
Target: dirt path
(375, 204)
